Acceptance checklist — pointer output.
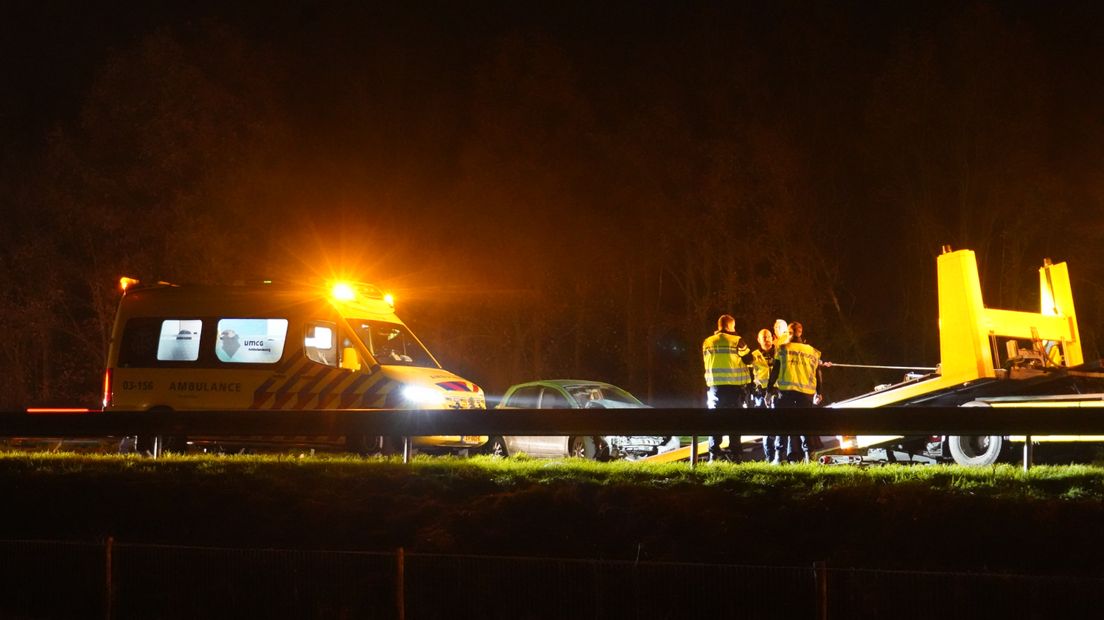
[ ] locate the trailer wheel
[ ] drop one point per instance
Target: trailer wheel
(976, 451)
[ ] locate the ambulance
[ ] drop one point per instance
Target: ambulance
(269, 346)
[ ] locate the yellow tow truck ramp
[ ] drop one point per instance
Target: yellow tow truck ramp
(988, 357)
(683, 453)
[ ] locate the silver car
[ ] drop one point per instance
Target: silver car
(575, 394)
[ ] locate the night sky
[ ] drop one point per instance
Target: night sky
(566, 189)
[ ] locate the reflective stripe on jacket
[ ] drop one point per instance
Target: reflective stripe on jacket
(797, 372)
(721, 353)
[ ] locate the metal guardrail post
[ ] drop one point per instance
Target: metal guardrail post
(693, 451)
(820, 577)
(109, 578)
(400, 584)
(1028, 453)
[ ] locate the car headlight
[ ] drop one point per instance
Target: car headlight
(423, 397)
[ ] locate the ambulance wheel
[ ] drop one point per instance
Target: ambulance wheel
(177, 444)
(373, 445)
(594, 448)
(392, 446)
(144, 444)
(976, 451)
(362, 445)
(128, 445)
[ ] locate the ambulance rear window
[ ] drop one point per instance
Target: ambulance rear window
(251, 341)
(140, 344)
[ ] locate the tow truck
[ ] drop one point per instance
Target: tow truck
(988, 358)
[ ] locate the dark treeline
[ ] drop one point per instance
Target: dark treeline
(577, 190)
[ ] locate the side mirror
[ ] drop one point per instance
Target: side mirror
(349, 359)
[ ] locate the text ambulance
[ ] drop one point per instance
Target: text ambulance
(269, 346)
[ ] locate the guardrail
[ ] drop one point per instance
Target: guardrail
(685, 421)
(905, 421)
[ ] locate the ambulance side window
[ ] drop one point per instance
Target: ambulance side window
(179, 340)
(251, 341)
(320, 343)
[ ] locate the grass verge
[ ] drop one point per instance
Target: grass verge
(997, 518)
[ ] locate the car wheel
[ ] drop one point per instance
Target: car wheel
(496, 446)
(976, 451)
(594, 448)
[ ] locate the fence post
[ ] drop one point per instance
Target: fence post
(820, 575)
(406, 449)
(1028, 453)
(400, 584)
(693, 451)
(109, 578)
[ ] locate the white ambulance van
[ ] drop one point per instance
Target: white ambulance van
(269, 346)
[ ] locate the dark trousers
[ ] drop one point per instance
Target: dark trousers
(772, 444)
(727, 397)
(789, 446)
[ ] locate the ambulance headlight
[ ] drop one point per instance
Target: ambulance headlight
(424, 397)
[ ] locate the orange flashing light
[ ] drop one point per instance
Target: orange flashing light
(343, 292)
(125, 283)
(390, 299)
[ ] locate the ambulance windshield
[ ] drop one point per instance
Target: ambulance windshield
(392, 344)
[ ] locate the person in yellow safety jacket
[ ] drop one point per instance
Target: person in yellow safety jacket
(796, 377)
(762, 360)
(727, 378)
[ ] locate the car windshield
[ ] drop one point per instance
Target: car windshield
(591, 391)
(392, 344)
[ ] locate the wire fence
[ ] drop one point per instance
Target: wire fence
(50, 579)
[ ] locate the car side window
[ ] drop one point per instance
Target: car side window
(552, 399)
(524, 398)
